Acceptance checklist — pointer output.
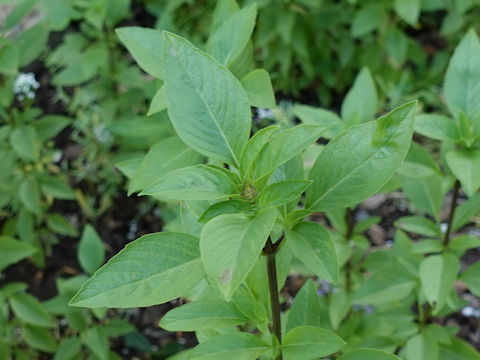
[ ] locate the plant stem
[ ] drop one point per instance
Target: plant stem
(270, 251)
(453, 206)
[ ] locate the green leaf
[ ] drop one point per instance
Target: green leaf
(437, 275)
(317, 116)
(204, 98)
(225, 207)
(232, 36)
(463, 243)
(359, 161)
(97, 342)
(9, 57)
(259, 89)
(60, 225)
(57, 187)
(153, 269)
(39, 338)
(465, 165)
(368, 354)
(367, 19)
(30, 311)
(418, 163)
(24, 141)
(471, 278)
(201, 315)
(427, 246)
(421, 347)
(282, 192)
(252, 149)
(285, 145)
(223, 10)
(68, 349)
(361, 102)
(146, 46)
(32, 43)
(231, 244)
(462, 80)
(419, 225)
(465, 211)
(90, 252)
(238, 346)
(167, 155)
(408, 10)
(12, 251)
(458, 350)
(199, 182)
(305, 309)
(436, 126)
(310, 342)
(49, 126)
(159, 102)
(30, 196)
(311, 243)
(426, 194)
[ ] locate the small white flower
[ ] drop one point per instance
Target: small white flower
(264, 113)
(57, 156)
(443, 227)
(101, 133)
(25, 86)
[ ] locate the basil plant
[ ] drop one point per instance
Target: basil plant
(250, 199)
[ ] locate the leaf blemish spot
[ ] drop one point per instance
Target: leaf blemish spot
(172, 51)
(226, 275)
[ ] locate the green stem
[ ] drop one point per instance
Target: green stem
(453, 206)
(270, 251)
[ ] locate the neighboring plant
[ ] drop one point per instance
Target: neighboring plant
(250, 199)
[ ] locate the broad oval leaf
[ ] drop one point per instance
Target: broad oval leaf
(29, 310)
(12, 251)
(436, 126)
(310, 342)
(359, 161)
(311, 243)
(368, 354)
(201, 315)
(90, 252)
(153, 269)
(198, 182)
(207, 105)
(238, 346)
(462, 80)
(259, 89)
(145, 45)
(471, 277)
(230, 245)
(305, 309)
(25, 142)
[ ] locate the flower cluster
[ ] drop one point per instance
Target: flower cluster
(25, 85)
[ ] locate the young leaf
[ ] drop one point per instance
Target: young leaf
(305, 309)
(284, 146)
(230, 245)
(465, 211)
(24, 141)
(225, 207)
(238, 346)
(30, 196)
(252, 149)
(462, 80)
(437, 275)
(282, 192)
(317, 116)
(360, 160)
(145, 45)
(311, 243)
(97, 342)
(204, 98)
(229, 40)
(408, 10)
(167, 155)
(60, 225)
(12, 251)
(465, 165)
(310, 342)
(198, 182)
(201, 315)
(68, 349)
(153, 269)
(90, 252)
(39, 338)
(368, 354)
(223, 10)
(361, 101)
(259, 89)
(30, 311)
(49, 126)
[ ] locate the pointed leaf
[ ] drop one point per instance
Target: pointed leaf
(305, 309)
(90, 252)
(153, 269)
(368, 354)
(204, 98)
(465, 165)
(282, 192)
(12, 251)
(259, 89)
